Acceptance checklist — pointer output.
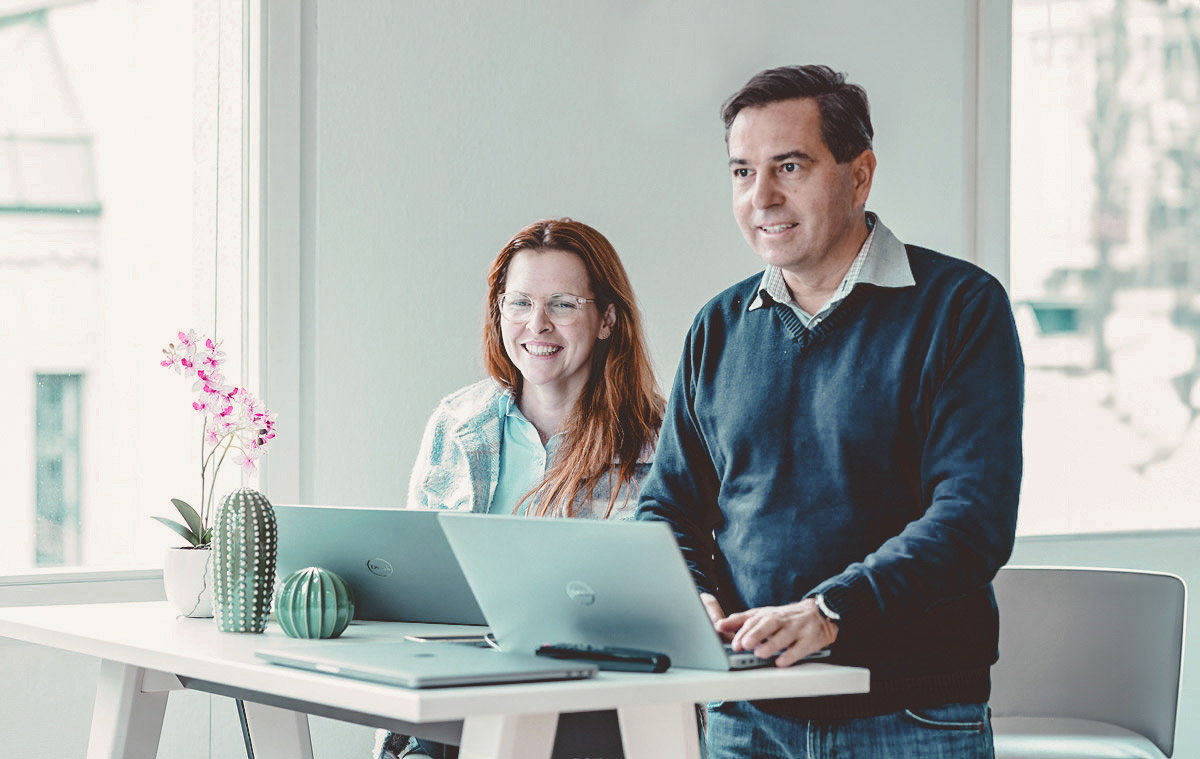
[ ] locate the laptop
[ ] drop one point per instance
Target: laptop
(423, 665)
(592, 582)
(397, 562)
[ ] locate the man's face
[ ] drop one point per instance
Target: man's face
(798, 208)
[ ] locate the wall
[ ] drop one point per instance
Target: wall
(432, 132)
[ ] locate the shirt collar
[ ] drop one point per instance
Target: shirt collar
(882, 261)
(508, 406)
(509, 409)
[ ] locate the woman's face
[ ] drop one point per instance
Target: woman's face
(552, 357)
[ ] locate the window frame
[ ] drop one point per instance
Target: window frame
(269, 45)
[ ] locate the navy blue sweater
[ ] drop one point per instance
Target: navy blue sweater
(875, 458)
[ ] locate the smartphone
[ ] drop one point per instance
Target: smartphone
(480, 638)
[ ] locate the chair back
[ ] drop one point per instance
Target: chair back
(1097, 644)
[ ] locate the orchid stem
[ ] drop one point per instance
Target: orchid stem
(203, 468)
(228, 443)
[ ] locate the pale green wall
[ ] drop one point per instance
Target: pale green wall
(434, 131)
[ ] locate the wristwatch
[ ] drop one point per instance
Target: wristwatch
(826, 612)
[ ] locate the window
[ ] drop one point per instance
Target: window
(120, 128)
(1105, 261)
(57, 524)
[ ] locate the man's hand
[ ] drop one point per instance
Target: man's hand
(713, 607)
(793, 631)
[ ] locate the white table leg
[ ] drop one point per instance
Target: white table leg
(508, 736)
(278, 733)
(659, 731)
(126, 721)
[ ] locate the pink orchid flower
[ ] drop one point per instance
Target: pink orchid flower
(204, 377)
(188, 339)
(234, 418)
(247, 463)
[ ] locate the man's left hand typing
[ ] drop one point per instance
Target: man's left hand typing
(793, 631)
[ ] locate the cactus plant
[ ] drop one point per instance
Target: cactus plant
(244, 542)
(314, 603)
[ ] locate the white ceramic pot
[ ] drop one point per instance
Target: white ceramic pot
(187, 577)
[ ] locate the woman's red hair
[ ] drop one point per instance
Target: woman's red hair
(619, 412)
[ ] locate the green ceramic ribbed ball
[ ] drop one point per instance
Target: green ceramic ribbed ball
(314, 603)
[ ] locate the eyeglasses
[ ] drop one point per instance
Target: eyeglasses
(561, 308)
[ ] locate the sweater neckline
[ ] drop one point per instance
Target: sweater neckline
(802, 336)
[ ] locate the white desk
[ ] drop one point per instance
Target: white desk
(146, 652)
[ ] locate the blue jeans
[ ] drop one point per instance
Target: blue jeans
(738, 729)
(580, 735)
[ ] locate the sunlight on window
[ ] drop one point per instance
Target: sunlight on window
(107, 249)
(1105, 262)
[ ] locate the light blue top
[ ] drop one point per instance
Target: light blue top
(523, 458)
(458, 464)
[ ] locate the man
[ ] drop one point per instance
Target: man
(841, 455)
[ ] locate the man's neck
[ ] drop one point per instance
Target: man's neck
(812, 288)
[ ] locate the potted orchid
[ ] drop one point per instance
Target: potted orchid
(236, 426)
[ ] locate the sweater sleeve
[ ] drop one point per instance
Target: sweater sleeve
(681, 488)
(434, 464)
(970, 475)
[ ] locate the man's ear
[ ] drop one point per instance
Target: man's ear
(862, 173)
(609, 322)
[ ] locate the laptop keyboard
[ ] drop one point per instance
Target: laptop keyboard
(747, 659)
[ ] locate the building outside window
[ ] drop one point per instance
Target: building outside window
(120, 122)
(1105, 272)
(58, 526)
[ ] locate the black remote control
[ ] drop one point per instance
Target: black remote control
(604, 657)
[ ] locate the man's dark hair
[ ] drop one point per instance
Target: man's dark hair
(845, 113)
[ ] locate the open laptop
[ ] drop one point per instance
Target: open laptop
(591, 582)
(423, 665)
(397, 562)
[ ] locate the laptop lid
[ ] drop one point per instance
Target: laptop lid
(396, 561)
(585, 581)
(423, 665)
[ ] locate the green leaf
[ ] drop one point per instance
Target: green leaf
(177, 527)
(189, 515)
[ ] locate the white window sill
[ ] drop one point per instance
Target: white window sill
(56, 575)
(48, 587)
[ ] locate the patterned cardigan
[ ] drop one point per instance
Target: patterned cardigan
(458, 466)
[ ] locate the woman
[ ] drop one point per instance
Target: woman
(565, 425)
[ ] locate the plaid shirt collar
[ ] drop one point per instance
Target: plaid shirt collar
(881, 261)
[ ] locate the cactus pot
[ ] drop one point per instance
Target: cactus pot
(244, 544)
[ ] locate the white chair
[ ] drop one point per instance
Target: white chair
(1089, 663)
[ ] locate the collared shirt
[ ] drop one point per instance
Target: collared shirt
(882, 260)
(523, 458)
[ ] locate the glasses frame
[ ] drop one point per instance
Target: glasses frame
(545, 304)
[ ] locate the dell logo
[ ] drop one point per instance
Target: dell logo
(580, 593)
(379, 567)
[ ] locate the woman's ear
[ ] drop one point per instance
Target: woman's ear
(609, 322)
